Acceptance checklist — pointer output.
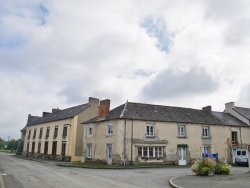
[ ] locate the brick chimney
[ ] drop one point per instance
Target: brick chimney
(104, 108)
(207, 108)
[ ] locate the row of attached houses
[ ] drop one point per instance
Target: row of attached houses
(138, 133)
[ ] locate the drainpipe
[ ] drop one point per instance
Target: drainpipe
(240, 139)
(124, 142)
(131, 161)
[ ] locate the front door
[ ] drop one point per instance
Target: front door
(109, 154)
(182, 155)
(54, 146)
(46, 145)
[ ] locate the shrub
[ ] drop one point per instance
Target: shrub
(203, 166)
(222, 168)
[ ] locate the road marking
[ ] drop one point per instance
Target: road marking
(4, 174)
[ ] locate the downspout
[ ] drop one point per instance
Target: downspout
(124, 142)
(240, 139)
(131, 162)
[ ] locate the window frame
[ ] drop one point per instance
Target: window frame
(205, 134)
(183, 135)
(90, 133)
(234, 138)
(150, 152)
(150, 130)
(110, 129)
(55, 132)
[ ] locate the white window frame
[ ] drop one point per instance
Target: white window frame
(90, 130)
(157, 151)
(110, 129)
(205, 132)
(89, 151)
(181, 131)
(150, 130)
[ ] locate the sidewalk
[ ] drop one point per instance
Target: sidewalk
(241, 180)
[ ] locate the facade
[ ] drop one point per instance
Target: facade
(142, 133)
(242, 114)
(58, 133)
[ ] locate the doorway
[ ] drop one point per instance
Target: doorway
(182, 155)
(109, 154)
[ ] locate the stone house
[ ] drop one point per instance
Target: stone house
(143, 133)
(59, 132)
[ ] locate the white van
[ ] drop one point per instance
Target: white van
(241, 157)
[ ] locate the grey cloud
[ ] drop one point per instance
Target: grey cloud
(238, 33)
(244, 97)
(169, 84)
(224, 9)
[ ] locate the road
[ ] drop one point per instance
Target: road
(20, 173)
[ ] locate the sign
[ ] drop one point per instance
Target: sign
(211, 156)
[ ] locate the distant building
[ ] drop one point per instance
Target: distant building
(58, 132)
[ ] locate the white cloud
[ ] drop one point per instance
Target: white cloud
(59, 53)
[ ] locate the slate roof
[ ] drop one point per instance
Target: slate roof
(59, 115)
(243, 111)
(149, 112)
(228, 119)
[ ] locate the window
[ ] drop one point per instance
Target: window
(181, 131)
(65, 131)
(41, 133)
(47, 133)
(234, 138)
(205, 132)
(29, 134)
(110, 128)
(34, 136)
(89, 150)
(207, 150)
(150, 152)
(90, 130)
(150, 130)
(56, 131)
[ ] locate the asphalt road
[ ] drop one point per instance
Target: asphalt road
(20, 173)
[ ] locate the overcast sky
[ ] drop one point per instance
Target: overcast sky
(177, 53)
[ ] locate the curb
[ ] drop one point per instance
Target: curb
(1, 181)
(171, 183)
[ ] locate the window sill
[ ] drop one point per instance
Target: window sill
(149, 136)
(181, 136)
(206, 137)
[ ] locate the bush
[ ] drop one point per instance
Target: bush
(222, 168)
(203, 166)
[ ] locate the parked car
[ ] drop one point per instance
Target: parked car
(241, 157)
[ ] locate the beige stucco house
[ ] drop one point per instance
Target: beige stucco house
(58, 132)
(142, 133)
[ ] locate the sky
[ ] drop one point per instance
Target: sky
(57, 54)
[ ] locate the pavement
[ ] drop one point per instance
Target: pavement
(241, 180)
(1, 181)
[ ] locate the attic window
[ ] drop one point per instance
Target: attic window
(70, 112)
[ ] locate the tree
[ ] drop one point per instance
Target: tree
(1, 143)
(12, 144)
